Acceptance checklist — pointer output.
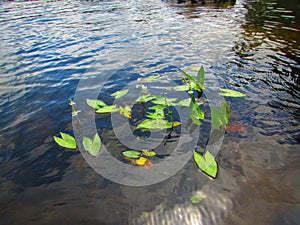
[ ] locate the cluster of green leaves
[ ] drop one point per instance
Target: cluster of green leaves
(160, 116)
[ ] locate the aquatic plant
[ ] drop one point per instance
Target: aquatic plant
(159, 115)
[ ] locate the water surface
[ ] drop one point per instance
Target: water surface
(48, 47)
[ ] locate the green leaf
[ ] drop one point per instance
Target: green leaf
(149, 152)
(160, 100)
(154, 124)
(119, 94)
(206, 163)
(145, 98)
(150, 78)
(195, 112)
(186, 103)
(92, 146)
(189, 77)
(158, 107)
(96, 104)
(181, 88)
(132, 154)
(126, 111)
(220, 117)
(107, 109)
(66, 141)
(197, 198)
(200, 78)
(158, 114)
(231, 93)
(225, 110)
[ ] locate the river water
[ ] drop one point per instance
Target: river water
(47, 48)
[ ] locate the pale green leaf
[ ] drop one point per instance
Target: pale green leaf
(92, 146)
(150, 78)
(158, 114)
(145, 98)
(160, 100)
(231, 93)
(206, 163)
(197, 198)
(66, 141)
(107, 109)
(154, 124)
(96, 104)
(132, 154)
(119, 94)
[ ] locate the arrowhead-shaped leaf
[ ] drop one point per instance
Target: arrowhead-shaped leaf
(66, 141)
(92, 146)
(206, 163)
(96, 104)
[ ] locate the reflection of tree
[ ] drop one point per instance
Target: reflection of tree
(271, 33)
(203, 2)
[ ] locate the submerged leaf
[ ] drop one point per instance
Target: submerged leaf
(96, 104)
(141, 161)
(66, 141)
(220, 117)
(92, 146)
(197, 198)
(107, 109)
(206, 163)
(231, 93)
(119, 94)
(132, 154)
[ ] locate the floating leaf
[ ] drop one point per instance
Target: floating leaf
(206, 163)
(126, 111)
(96, 104)
(150, 78)
(92, 146)
(181, 88)
(197, 198)
(231, 93)
(141, 161)
(157, 114)
(159, 100)
(66, 141)
(132, 154)
(154, 124)
(119, 94)
(145, 98)
(148, 152)
(158, 107)
(107, 109)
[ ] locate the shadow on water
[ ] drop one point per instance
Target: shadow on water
(47, 47)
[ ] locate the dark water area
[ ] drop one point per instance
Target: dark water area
(48, 48)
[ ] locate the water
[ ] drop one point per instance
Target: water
(48, 47)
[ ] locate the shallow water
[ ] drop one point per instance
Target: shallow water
(47, 48)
